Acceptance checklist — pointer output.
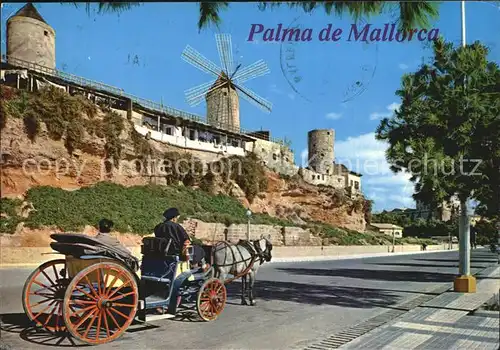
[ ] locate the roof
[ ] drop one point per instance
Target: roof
(386, 226)
(29, 10)
(222, 81)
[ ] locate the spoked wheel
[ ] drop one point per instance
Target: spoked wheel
(211, 299)
(43, 295)
(100, 303)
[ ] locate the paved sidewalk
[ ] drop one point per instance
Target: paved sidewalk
(442, 323)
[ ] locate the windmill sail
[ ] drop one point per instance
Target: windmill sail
(222, 93)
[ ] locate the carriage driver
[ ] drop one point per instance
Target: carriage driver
(170, 229)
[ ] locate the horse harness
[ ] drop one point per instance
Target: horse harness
(255, 252)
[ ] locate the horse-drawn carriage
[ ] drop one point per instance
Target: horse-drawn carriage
(97, 291)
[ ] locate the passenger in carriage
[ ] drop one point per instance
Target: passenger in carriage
(170, 229)
(104, 235)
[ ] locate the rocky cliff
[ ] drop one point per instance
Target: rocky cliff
(35, 154)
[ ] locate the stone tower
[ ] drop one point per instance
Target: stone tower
(320, 148)
(30, 38)
(223, 106)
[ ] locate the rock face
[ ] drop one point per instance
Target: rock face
(46, 162)
(298, 201)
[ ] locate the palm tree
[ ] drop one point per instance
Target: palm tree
(411, 13)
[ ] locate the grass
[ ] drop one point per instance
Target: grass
(133, 209)
(138, 209)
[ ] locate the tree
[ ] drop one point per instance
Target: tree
(411, 13)
(449, 118)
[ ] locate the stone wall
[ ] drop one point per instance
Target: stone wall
(314, 178)
(276, 157)
(235, 232)
(212, 232)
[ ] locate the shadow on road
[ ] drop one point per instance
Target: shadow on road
(319, 295)
(381, 275)
(428, 265)
(19, 323)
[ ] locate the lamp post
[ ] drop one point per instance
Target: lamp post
(393, 239)
(465, 282)
(249, 214)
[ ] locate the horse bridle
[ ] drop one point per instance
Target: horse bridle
(263, 255)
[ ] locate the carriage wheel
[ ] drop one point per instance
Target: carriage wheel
(43, 294)
(211, 299)
(100, 303)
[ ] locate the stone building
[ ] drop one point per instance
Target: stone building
(320, 144)
(30, 38)
(446, 211)
(223, 106)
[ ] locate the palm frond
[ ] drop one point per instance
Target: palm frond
(106, 7)
(417, 14)
(209, 13)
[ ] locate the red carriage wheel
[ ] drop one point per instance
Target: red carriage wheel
(43, 294)
(211, 299)
(100, 302)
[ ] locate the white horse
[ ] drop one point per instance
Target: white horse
(241, 260)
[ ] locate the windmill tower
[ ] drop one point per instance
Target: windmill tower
(222, 93)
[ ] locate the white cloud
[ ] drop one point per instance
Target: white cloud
(403, 66)
(366, 155)
(390, 111)
(333, 116)
(393, 106)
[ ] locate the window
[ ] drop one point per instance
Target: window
(356, 185)
(351, 182)
(263, 150)
(235, 143)
(192, 134)
(328, 133)
(274, 156)
(328, 171)
(313, 177)
(216, 139)
(225, 93)
(323, 177)
(46, 33)
(169, 131)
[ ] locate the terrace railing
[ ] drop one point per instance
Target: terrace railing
(92, 84)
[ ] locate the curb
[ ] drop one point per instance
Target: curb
(352, 256)
(283, 260)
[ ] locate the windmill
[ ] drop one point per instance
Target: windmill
(221, 93)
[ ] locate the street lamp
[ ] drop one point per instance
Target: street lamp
(393, 239)
(465, 283)
(249, 214)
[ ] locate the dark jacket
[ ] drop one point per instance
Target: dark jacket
(174, 231)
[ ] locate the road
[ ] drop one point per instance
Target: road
(298, 304)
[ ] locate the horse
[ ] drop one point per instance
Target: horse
(241, 260)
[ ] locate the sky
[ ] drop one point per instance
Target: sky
(348, 86)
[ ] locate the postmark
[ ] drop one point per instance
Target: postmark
(313, 72)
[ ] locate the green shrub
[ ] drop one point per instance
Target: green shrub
(113, 126)
(9, 219)
(31, 125)
(133, 209)
(247, 172)
(60, 112)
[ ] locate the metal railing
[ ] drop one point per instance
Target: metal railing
(120, 92)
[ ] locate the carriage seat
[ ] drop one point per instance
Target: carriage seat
(78, 245)
(160, 260)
